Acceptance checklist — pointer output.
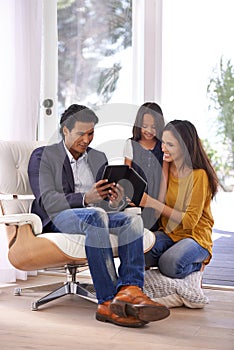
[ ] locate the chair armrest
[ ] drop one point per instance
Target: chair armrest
(22, 219)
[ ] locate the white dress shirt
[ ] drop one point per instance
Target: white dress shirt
(83, 177)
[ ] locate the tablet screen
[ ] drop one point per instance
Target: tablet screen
(134, 185)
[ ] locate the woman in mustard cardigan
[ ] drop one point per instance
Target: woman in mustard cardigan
(184, 238)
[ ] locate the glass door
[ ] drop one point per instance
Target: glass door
(94, 52)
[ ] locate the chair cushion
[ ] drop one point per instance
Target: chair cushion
(12, 206)
(14, 162)
(66, 241)
(174, 292)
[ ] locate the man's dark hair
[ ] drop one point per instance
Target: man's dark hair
(76, 113)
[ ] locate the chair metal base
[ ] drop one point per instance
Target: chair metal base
(71, 286)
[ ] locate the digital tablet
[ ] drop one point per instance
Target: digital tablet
(134, 185)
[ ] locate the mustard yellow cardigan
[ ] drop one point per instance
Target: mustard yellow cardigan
(191, 195)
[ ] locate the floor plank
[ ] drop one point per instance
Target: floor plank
(220, 271)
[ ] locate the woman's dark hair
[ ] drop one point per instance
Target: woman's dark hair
(195, 155)
(76, 113)
(153, 109)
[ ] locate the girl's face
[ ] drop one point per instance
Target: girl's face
(171, 148)
(148, 128)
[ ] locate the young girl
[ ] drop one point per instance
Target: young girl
(184, 239)
(143, 152)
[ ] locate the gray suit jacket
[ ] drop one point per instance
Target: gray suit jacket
(52, 181)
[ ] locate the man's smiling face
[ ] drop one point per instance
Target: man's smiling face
(78, 139)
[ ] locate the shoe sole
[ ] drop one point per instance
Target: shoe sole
(146, 313)
(103, 318)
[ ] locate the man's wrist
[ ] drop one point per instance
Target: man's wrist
(85, 203)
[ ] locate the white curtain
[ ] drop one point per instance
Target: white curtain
(20, 71)
(20, 68)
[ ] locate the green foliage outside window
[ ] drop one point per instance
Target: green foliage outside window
(90, 32)
(221, 94)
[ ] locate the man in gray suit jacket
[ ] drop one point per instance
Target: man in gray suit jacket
(72, 197)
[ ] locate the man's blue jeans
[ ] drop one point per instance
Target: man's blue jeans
(96, 224)
(176, 259)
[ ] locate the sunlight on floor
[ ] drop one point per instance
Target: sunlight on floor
(222, 209)
(216, 235)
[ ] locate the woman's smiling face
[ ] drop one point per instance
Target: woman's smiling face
(171, 148)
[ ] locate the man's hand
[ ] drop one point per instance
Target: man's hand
(99, 191)
(116, 196)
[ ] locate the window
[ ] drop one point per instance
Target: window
(94, 52)
(195, 35)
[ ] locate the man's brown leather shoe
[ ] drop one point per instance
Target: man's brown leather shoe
(130, 300)
(104, 314)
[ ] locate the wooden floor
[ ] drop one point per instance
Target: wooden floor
(69, 322)
(220, 271)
